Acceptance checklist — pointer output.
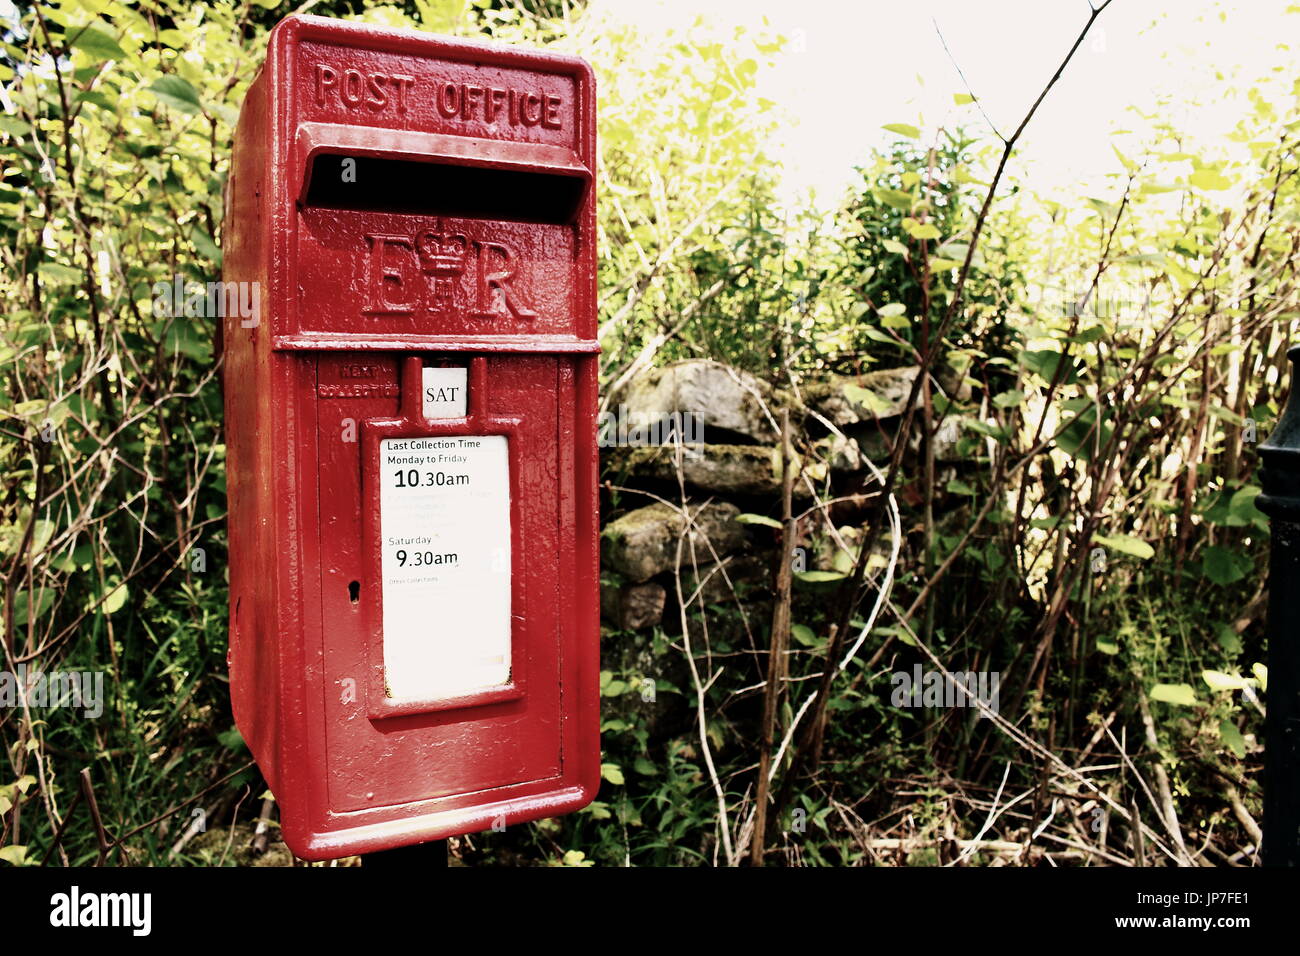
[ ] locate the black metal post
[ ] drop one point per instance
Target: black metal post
(1280, 500)
(422, 856)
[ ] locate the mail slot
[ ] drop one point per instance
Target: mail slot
(411, 435)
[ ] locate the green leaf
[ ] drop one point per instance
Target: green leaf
(867, 399)
(1090, 334)
(894, 246)
(98, 43)
(958, 487)
(903, 129)
(1229, 640)
(613, 773)
(1126, 545)
(98, 98)
(1044, 363)
(1242, 510)
(1232, 738)
(819, 577)
(1127, 163)
(961, 174)
(14, 126)
(961, 99)
(1009, 399)
(984, 428)
(115, 600)
(205, 246)
(1107, 647)
(1223, 566)
(645, 767)
(804, 635)
(1210, 179)
(1161, 187)
(176, 92)
(940, 264)
(1104, 209)
(42, 531)
(1145, 258)
(758, 519)
(14, 854)
(895, 198)
(185, 337)
(890, 630)
(1181, 694)
(1183, 278)
(893, 308)
(1217, 680)
(1261, 675)
(920, 230)
(173, 38)
(57, 272)
(1081, 437)
(23, 610)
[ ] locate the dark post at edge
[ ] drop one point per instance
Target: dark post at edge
(1280, 500)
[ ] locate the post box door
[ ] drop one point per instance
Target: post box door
(464, 745)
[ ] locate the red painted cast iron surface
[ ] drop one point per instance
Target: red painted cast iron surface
(469, 242)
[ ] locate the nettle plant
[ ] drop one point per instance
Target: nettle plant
(113, 144)
(907, 231)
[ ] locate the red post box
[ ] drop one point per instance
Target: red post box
(411, 435)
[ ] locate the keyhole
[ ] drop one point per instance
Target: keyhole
(354, 591)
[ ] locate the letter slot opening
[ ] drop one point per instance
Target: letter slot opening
(468, 192)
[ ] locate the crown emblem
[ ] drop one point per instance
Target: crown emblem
(442, 254)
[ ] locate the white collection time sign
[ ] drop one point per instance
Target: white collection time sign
(444, 514)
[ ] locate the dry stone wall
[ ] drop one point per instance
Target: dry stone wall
(692, 467)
